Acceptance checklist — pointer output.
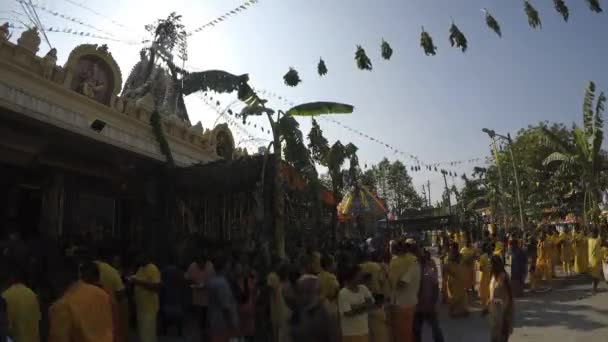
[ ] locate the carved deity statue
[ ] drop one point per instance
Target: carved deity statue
(48, 63)
(30, 40)
(5, 32)
(90, 86)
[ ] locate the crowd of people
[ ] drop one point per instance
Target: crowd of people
(358, 292)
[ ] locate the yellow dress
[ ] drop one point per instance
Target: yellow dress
(484, 279)
(554, 253)
(147, 303)
(567, 253)
(595, 258)
(23, 313)
(581, 264)
(457, 294)
(543, 261)
(467, 259)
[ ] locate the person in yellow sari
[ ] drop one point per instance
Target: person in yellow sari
(567, 252)
(581, 262)
(553, 239)
(458, 300)
(595, 258)
(543, 259)
(404, 279)
(485, 276)
(467, 259)
(376, 280)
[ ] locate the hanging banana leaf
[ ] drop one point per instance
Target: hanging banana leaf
(562, 8)
(292, 78)
(387, 51)
(321, 67)
(533, 17)
(594, 5)
(426, 42)
(320, 108)
(457, 38)
(363, 62)
(492, 23)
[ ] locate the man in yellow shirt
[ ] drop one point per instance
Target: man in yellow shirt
(84, 311)
(147, 283)
(110, 280)
(567, 252)
(23, 310)
(595, 258)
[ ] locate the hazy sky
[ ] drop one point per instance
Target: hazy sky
(432, 107)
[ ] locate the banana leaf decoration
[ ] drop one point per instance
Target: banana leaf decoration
(363, 62)
(426, 42)
(292, 78)
(387, 51)
(594, 5)
(533, 17)
(562, 8)
(457, 38)
(321, 67)
(492, 23)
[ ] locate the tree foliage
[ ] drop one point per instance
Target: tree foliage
(492, 23)
(321, 67)
(292, 78)
(386, 50)
(562, 8)
(594, 5)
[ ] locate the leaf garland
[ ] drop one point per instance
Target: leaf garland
(492, 23)
(363, 62)
(321, 67)
(533, 17)
(426, 42)
(387, 51)
(157, 128)
(594, 6)
(457, 38)
(562, 8)
(292, 78)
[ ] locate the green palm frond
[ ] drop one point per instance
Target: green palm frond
(557, 157)
(556, 141)
(320, 108)
(321, 67)
(457, 38)
(588, 103)
(296, 152)
(594, 6)
(562, 8)
(292, 78)
(598, 134)
(317, 143)
(363, 62)
(492, 23)
(533, 16)
(581, 141)
(214, 80)
(387, 51)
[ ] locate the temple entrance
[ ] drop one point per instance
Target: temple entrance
(28, 211)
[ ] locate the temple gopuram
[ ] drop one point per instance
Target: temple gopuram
(79, 155)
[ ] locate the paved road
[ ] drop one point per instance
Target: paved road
(569, 313)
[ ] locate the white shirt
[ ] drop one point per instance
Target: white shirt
(353, 325)
(408, 295)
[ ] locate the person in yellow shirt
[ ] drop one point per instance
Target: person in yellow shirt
(485, 276)
(458, 300)
(375, 279)
(83, 313)
(110, 280)
(543, 259)
(23, 310)
(580, 251)
(567, 252)
(595, 258)
(553, 239)
(147, 282)
(467, 258)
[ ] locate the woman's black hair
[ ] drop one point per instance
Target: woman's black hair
(351, 272)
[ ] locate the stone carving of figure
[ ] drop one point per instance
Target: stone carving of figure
(90, 85)
(30, 40)
(5, 33)
(48, 63)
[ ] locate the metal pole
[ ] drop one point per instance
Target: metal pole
(500, 180)
(447, 191)
(521, 210)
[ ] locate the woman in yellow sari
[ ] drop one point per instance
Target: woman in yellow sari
(553, 239)
(400, 271)
(485, 277)
(457, 295)
(467, 259)
(543, 259)
(580, 252)
(595, 258)
(567, 252)
(376, 280)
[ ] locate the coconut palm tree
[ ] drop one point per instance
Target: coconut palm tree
(582, 150)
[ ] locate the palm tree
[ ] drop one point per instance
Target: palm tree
(288, 142)
(583, 149)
